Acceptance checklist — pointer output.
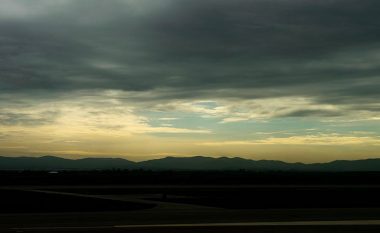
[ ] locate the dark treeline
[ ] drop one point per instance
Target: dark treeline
(146, 177)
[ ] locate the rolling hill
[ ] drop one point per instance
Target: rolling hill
(181, 163)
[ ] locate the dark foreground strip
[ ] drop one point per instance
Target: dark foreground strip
(298, 223)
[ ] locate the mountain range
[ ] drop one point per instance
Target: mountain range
(181, 163)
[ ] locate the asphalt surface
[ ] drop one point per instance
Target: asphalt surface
(177, 217)
(257, 227)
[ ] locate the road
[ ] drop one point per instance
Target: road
(186, 218)
(257, 227)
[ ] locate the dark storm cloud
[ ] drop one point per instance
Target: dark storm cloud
(308, 113)
(209, 48)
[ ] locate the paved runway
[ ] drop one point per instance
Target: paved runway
(185, 218)
(361, 226)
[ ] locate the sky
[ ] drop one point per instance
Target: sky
(291, 80)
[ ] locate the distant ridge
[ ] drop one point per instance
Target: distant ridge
(57, 163)
(181, 163)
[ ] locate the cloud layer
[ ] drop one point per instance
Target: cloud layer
(112, 62)
(325, 50)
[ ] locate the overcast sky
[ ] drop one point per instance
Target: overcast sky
(294, 80)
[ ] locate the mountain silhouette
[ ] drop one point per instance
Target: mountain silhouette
(181, 163)
(57, 163)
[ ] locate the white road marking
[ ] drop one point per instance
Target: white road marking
(299, 223)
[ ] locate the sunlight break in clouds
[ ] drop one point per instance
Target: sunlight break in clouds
(321, 139)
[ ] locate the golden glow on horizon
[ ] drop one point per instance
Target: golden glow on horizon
(84, 142)
(104, 126)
